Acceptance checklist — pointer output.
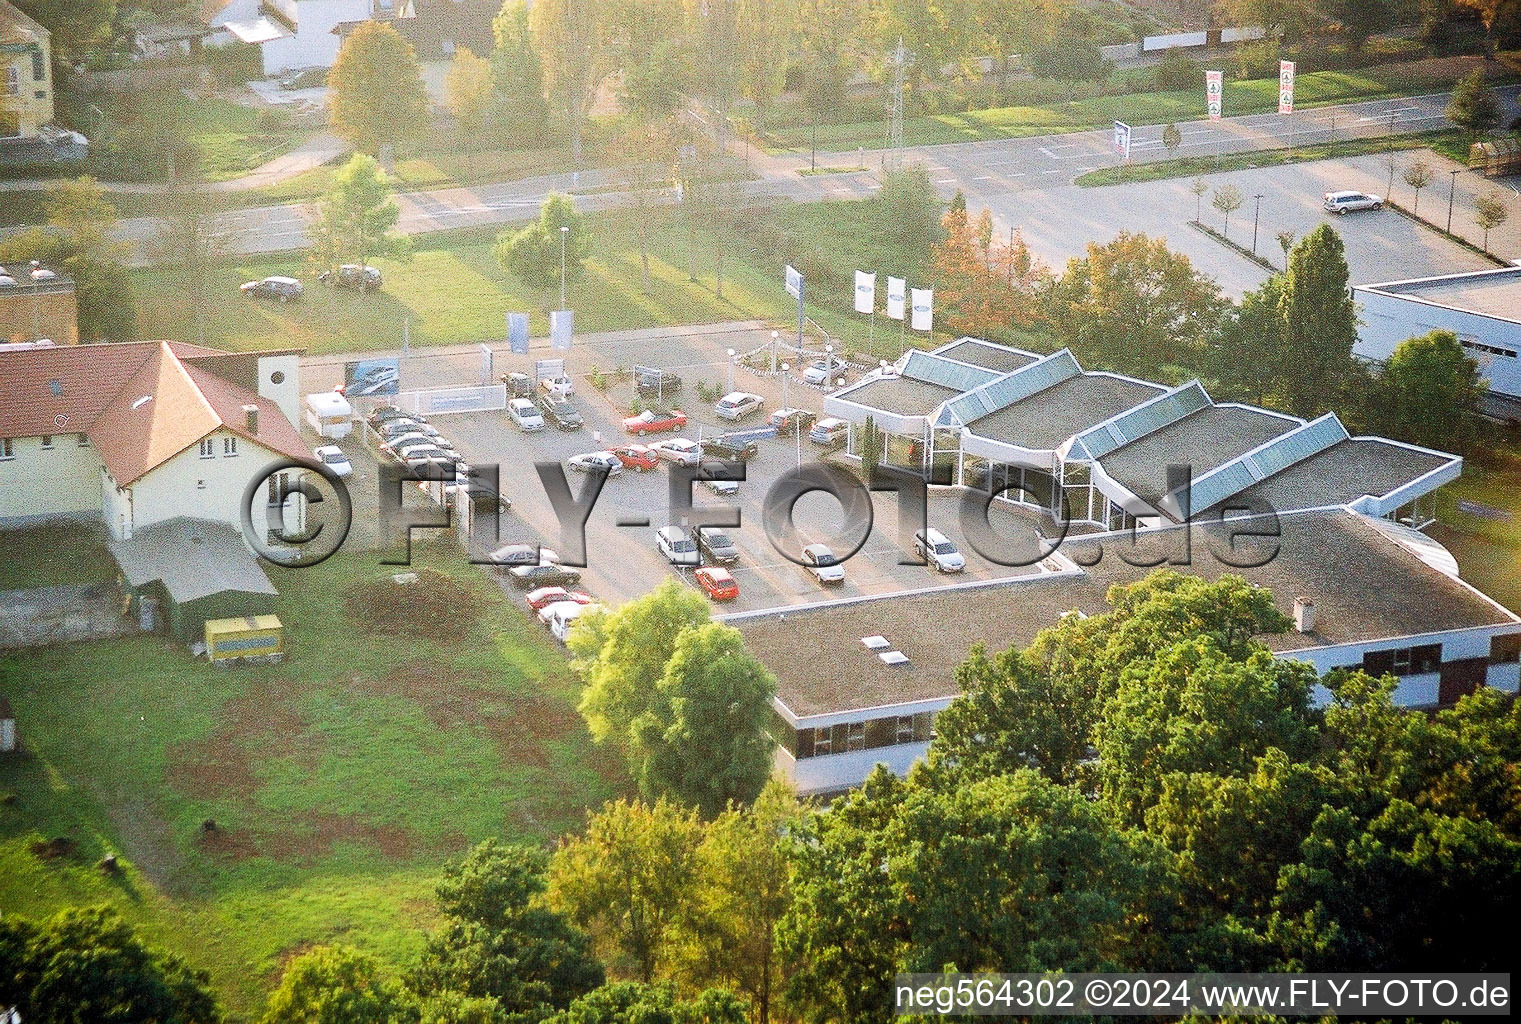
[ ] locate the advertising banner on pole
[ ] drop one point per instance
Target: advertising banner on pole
(794, 282)
(372, 378)
(866, 292)
(517, 332)
(486, 365)
(1214, 93)
(1122, 140)
(924, 309)
(895, 297)
(561, 326)
(1285, 87)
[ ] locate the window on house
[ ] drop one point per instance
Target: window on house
(47, 441)
(905, 728)
(1505, 650)
(821, 742)
(13, 81)
(208, 448)
(39, 67)
(6, 451)
(229, 446)
(1404, 661)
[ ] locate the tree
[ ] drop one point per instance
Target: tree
(1490, 13)
(1134, 306)
(703, 741)
(88, 966)
(517, 77)
(1428, 393)
(907, 208)
(568, 38)
(1473, 107)
(624, 658)
(77, 27)
(638, 155)
(631, 1002)
(1198, 187)
(1321, 323)
(764, 30)
(470, 93)
(822, 88)
(1247, 360)
(1286, 239)
(375, 88)
(1285, 20)
(356, 219)
(934, 35)
(193, 242)
(499, 943)
(1417, 176)
(77, 240)
(629, 881)
(534, 253)
(337, 985)
(1072, 59)
(1172, 138)
(1013, 27)
(872, 448)
(1490, 213)
(1228, 200)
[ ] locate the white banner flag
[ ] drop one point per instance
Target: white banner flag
(895, 294)
(1122, 140)
(1214, 93)
(866, 292)
(924, 309)
(1285, 87)
(794, 282)
(561, 328)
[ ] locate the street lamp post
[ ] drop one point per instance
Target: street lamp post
(785, 375)
(731, 371)
(564, 230)
(774, 336)
(1256, 212)
(1452, 191)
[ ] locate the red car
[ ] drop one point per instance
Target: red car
(545, 596)
(654, 421)
(718, 583)
(637, 457)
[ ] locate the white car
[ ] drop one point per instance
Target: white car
(737, 405)
(523, 554)
(554, 608)
(819, 560)
(1344, 202)
(938, 551)
(678, 546)
(820, 370)
(402, 441)
(331, 456)
(588, 462)
(560, 386)
(678, 450)
(526, 415)
(563, 618)
(722, 488)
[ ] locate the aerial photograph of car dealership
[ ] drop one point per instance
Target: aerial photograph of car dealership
(758, 511)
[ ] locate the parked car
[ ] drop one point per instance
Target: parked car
(526, 415)
(1345, 202)
(416, 437)
(519, 385)
(544, 574)
(717, 547)
(787, 420)
(637, 457)
(417, 458)
(820, 370)
(560, 387)
(588, 462)
(546, 596)
(678, 450)
(938, 551)
(560, 413)
(655, 421)
(736, 405)
(829, 432)
(352, 275)
(733, 449)
(677, 545)
(564, 615)
(522, 554)
(331, 456)
(651, 380)
(717, 583)
(385, 414)
(281, 289)
(819, 560)
(722, 488)
(402, 425)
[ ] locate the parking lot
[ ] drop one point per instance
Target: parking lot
(623, 561)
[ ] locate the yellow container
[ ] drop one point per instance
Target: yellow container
(251, 636)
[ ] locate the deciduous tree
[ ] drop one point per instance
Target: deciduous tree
(1490, 213)
(1228, 200)
(1473, 107)
(534, 253)
(470, 93)
(338, 985)
(375, 89)
(356, 219)
(521, 111)
(1428, 393)
(1417, 176)
(567, 33)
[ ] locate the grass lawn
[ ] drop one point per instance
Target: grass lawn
(340, 780)
(1488, 549)
(1256, 96)
(453, 292)
(54, 553)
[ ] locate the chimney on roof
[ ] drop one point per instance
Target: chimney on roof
(251, 419)
(1304, 615)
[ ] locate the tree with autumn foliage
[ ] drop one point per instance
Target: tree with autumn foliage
(983, 288)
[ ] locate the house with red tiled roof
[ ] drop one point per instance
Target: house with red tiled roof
(140, 433)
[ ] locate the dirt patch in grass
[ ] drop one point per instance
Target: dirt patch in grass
(435, 606)
(222, 763)
(56, 848)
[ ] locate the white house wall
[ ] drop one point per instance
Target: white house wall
(286, 394)
(314, 44)
(38, 481)
(831, 772)
(1389, 319)
(176, 488)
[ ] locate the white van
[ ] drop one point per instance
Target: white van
(329, 414)
(526, 415)
(678, 546)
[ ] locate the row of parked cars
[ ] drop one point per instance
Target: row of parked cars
(287, 289)
(411, 441)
